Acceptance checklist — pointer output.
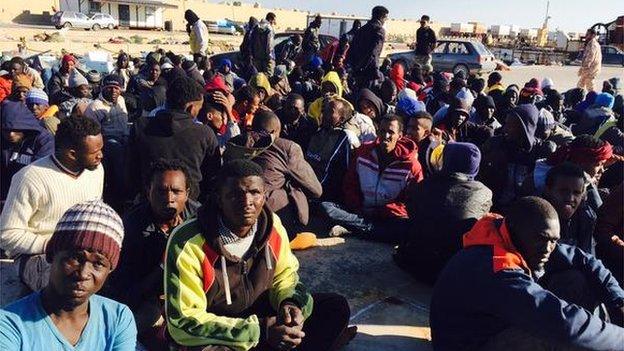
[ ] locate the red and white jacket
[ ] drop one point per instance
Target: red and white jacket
(382, 192)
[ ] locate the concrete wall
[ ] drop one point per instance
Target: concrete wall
(37, 11)
(287, 19)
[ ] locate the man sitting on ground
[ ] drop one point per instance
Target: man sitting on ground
(296, 124)
(173, 134)
(441, 209)
(329, 149)
(41, 192)
(289, 178)
(376, 184)
(24, 140)
(490, 295)
(67, 314)
(231, 280)
(138, 282)
(565, 190)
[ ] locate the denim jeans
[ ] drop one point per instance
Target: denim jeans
(386, 230)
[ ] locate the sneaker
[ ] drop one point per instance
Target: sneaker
(303, 241)
(338, 230)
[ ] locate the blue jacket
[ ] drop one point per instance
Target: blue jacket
(487, 288)
(37, 142)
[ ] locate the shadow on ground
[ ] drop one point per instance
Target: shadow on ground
(389, 307)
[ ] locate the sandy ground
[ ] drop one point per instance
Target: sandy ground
(564, 77)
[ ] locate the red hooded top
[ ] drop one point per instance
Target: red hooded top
(383, 192)
(397, 74)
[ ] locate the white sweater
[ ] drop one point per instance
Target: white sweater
(39, 195)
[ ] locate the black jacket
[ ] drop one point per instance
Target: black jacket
(441, 209)
(425, 41)
(363, 55)
(172, 134)
(300, 131)
(136, 277)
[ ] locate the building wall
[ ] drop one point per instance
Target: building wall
(35, 12)
(287, 19)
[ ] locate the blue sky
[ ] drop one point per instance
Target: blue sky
(568, 15)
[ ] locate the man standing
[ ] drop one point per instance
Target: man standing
(41, 192)
(231, 281)
(507, 301)
(367, 44)
(375, 186)
(592, 61)
(66, 313)
(262, 45)
(425, 42)
(311, 43)
(138, 282)
(198, 36)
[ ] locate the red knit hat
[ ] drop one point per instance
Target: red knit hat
(91, 225)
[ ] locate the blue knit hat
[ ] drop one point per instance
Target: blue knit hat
(408, 107)
(461, 158)
(604, 100)
(316, 62)
(225, 62)
(36, 96)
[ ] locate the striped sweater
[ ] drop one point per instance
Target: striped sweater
(207, 290)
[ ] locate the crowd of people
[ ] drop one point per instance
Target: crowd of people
(160, 204)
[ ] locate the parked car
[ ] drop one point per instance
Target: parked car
(69, 19)
(468, 56)
(611, 55)
(225, 26)
(278, 42)
(103, 20)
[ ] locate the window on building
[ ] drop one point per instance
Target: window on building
(95, 6)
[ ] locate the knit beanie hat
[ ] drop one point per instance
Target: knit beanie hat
(90, 225)
(94, 76)
(76, 79)
(36, 96)
(548, 83)
(545, 121)
(604, 100)
(461, 158)
(112, 80)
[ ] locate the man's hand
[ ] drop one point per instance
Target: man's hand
(223, 100)
(290, 315)
(282, 337)
(617, 241)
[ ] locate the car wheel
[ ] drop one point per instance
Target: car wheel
(461, 68)
(67, 25)
(96, 27)
(111, 26)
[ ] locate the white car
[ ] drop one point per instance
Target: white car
(69, 19)
(103, 20)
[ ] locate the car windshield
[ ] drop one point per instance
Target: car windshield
(481, 49)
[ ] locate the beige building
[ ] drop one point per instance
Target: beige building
(137, 13)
